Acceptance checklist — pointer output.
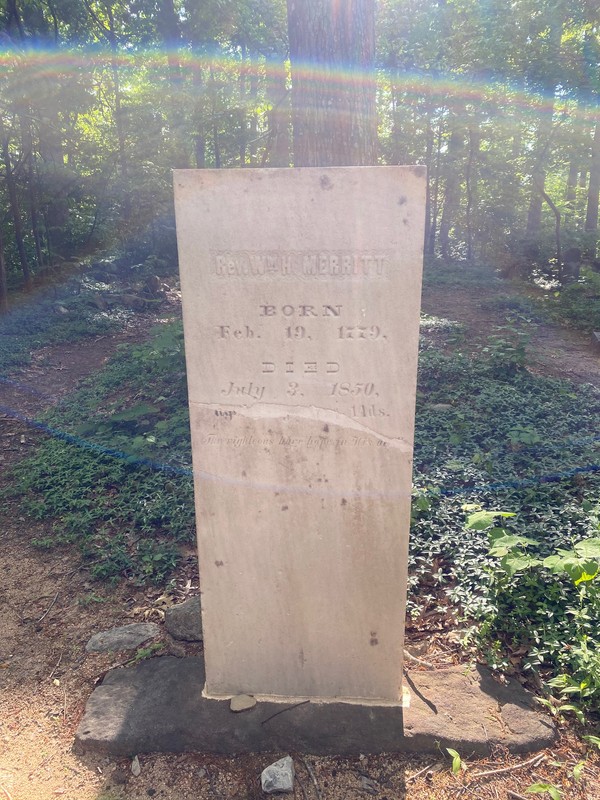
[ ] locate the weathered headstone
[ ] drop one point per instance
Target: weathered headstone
(301, 296)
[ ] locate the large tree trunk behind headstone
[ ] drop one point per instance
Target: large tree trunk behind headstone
(332, 53)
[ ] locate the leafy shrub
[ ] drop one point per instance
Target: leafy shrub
(577, 304)
(548, 607)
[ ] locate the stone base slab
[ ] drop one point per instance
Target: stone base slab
(157, 706)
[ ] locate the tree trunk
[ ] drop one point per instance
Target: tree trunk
(556, 213)
(253, 122)
(114, 66)
(29, 157)
(3, 284)
(54, 187)
(200, 135)
(332, 54)
(571, 189)
(471, 185)
(213, 111)
(538, 175)
(452, 188)
(15, 210)
(591, 214)
(167, 23)
(428, 160)
(242, 108)
(556, 11)
(277, 153)
(432, 231)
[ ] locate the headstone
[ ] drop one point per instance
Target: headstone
(301, 296)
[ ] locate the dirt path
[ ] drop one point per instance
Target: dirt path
(50, 608)
(552, 350)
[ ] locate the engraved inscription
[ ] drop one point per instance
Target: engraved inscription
(306, 367)
(316, 442)
(306, 264)
(301, 311)
(244, 390)
(355, 398)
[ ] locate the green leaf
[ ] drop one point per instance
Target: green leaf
(543, 788)
(586, 576)
(578, 771)
(422, 502)
(456, 760)
(481, 520)
(518, 562)
(588, 548)
(503, 543)
(575, 709)
(593, 740)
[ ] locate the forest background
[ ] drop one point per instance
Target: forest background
(101, 99)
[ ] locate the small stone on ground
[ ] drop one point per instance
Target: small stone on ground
(242, 702)
(278, 777)
(127, 637)
(184, 621)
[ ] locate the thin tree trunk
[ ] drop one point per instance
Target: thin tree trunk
(452, 189)
(253, 126)
(332, 52)
(544, 132)
(242, 115)
(169, 31)
(200, 135)
(114, 66)
(428, 160)
(277, 153)
(471, 186)
(215, 130)
(556, 213)
(571, 189)
(3, 283)
(15, 210)
(431, 238)
(396, 156)
(29, 156)
(538, 175)
(593, 194)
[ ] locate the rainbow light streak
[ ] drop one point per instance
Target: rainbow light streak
(441, 91)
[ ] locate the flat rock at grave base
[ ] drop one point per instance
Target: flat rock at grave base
(242, 702)
(184, 621)
(157, 706)
(127, 637)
